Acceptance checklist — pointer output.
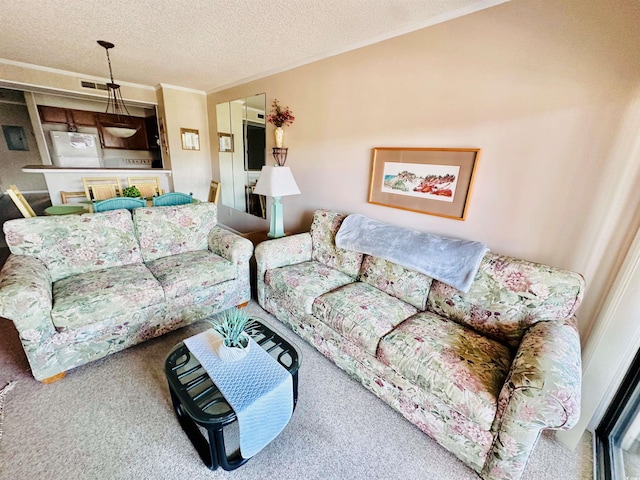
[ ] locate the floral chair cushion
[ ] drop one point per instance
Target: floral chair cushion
(303, 282)
(164, 231)
(73, 244)
(396, 280)
(191, 272)
(508, 296)
(361, 313)
(93, 297)
(323, 237)
(461, 367)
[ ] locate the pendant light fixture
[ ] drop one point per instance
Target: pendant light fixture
(118, 127)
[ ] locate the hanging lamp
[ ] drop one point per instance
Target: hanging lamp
(115, 105)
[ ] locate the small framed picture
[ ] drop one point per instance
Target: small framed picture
(225, 142)
(190, 139)
(435, 181)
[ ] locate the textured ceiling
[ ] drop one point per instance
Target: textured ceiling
(205, 44)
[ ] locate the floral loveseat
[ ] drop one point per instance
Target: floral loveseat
(80, 287)
(481, 372)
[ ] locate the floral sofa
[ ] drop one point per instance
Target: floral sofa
(481, 372)
(80, 287)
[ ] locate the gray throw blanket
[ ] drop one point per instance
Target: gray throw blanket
(449, 260)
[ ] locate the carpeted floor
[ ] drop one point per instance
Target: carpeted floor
(113, 419)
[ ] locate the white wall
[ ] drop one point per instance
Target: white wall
(184, 108)
(545, 88)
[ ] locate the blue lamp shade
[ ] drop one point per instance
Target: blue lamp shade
(276, 182)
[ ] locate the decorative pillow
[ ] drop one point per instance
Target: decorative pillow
(509, 295)
(165, 231)
(73, 244)
(323, 237)
(396, 280)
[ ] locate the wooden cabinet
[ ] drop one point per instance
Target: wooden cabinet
(81, 118)
(136, 142)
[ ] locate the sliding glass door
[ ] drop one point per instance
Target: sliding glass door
(618, 435)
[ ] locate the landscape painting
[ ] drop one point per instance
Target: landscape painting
(435, 181)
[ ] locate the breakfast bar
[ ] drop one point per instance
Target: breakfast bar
(69, 179)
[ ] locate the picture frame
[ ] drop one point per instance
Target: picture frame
(434, 181)
(190, 139)
(225, 142)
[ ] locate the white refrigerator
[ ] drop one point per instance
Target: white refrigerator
(71, 149)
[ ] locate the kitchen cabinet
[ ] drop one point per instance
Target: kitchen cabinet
(67, 116)
(136, 142)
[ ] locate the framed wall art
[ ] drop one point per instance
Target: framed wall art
(190, 139)
(225, 142)
(435, 181)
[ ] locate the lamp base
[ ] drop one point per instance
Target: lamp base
(276, 229)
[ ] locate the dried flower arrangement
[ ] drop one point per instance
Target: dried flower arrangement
(280, 116)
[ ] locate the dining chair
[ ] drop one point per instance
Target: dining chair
(119, 203)
(20, 201)
(214, 191)
(65, 196)
(27, 211)
(101, 188)
(172, 198)
(148, 186)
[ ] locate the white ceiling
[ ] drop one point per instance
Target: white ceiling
(205, 44)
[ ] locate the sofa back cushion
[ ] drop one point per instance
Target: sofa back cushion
(323, 239)
(400, 282)
(509, 295)
(164, 231)
(73, 244)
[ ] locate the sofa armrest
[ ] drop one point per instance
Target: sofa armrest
(542, 391)
(280, 252)
(26, 296)
(230, 245)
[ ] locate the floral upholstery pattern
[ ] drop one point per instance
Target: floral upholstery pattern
(93, 296)
(25, 293)
(73, 244)
(400, 282)
(508, 296)
(483, 373)
(107, 305)
(190, 272)
(286, 251)
(361, 313)
(303, 282)
(324, 227)
(455, 363)
(164, 231)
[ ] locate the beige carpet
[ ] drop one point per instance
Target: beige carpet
(113, 419)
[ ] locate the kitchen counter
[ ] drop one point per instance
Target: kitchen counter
(69, 179)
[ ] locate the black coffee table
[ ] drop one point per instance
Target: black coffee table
(201, 408)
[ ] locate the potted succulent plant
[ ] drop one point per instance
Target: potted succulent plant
(232, 326)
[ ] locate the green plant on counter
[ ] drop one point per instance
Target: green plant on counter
(131, 192)
(232, 325)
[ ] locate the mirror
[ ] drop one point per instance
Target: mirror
(241, 150)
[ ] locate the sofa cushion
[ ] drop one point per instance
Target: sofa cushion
(323, 231)
(508, 296)
(73, 244)
(303, 282)
(164, 231)
(93, 297)
(190, 272)
(461, 367)
(396, 280)
(362, 313)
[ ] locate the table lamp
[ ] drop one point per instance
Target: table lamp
(276, 182)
